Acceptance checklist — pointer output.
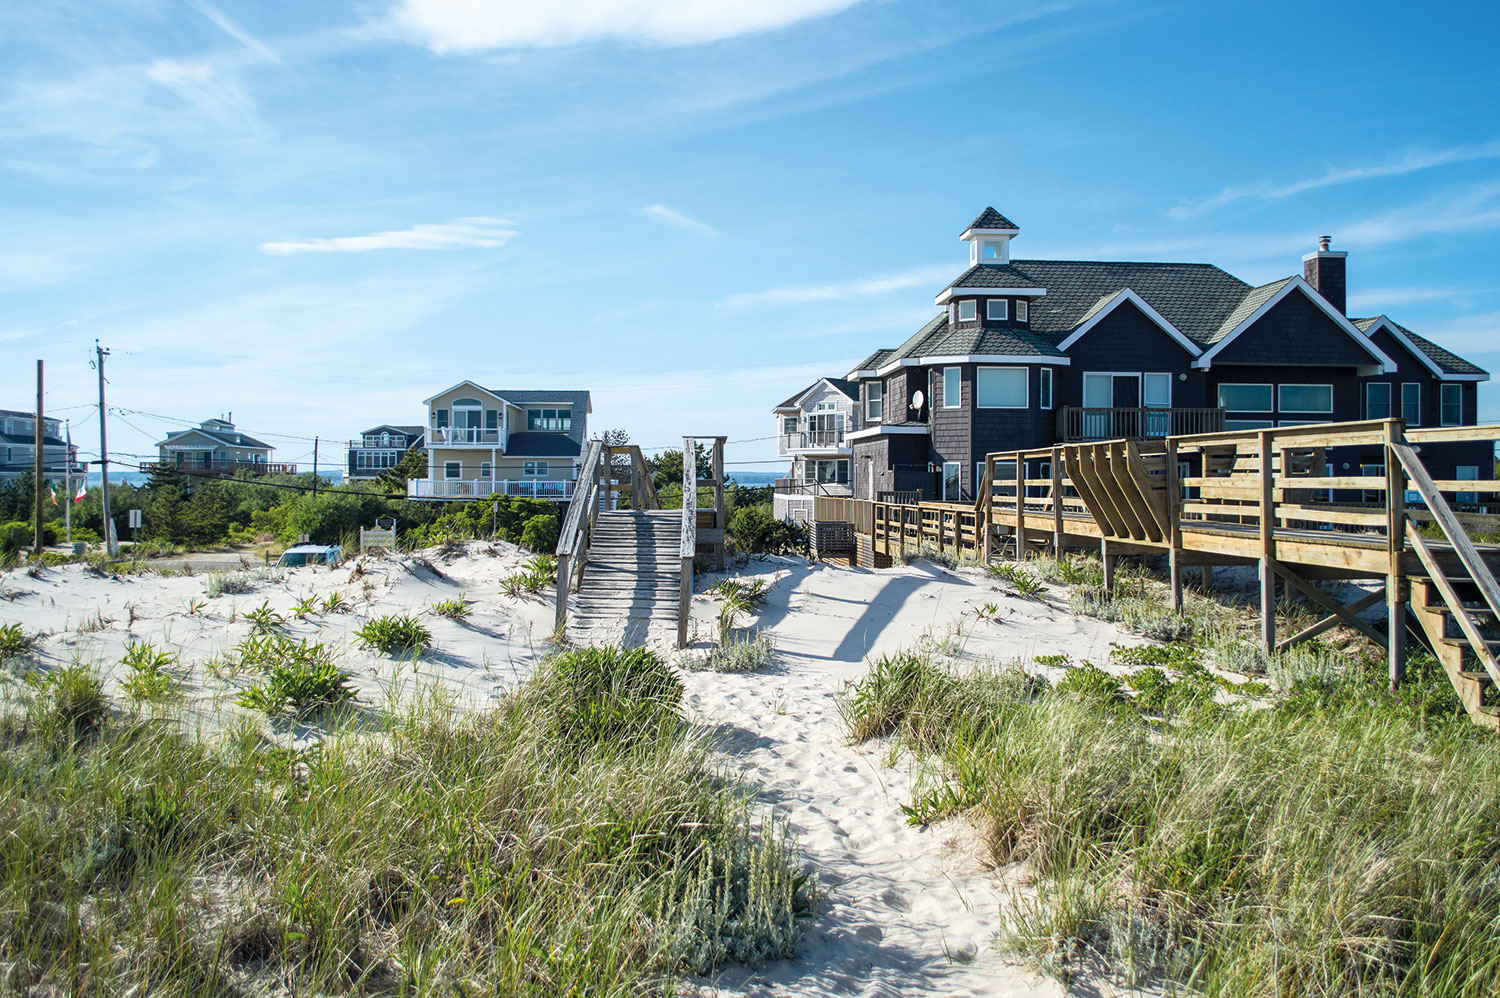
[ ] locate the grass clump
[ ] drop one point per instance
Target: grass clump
(228, 584)
(14, 642)
(300, 676)
(395, 634)
(263, 619)
(745, 652)
(607, 696)
(148, 677)
(507, 853)
(1340, 843)
(74, 697)
(453, 609)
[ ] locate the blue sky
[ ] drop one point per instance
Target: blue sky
(316, 215)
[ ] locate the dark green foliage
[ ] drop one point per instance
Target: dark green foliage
(540, 533)
(148, 678)
(17, 496)
(609, 696)
(304, 685)
(19, 534)
(76, 695)
(395, 635)
(755, 530)
(14, 643)
(1092, 684)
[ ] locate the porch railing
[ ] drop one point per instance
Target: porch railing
(448, 436)
(1080, 423)
(809, 439)
(218, 467)
(465, 488)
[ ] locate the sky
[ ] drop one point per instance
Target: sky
(315, 216)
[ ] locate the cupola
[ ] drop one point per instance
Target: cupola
(989, 237)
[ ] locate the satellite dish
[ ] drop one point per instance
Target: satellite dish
(916, 400)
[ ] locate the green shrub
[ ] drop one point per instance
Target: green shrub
(77, 696)
(610, 696)
(395, 635)
(19, 534)
(540, 533)
(889, 693)
(453, 609)
(148, 678)
(305, 684)
(14, 643)
(228, 584)
(755, 530)
(263, 619)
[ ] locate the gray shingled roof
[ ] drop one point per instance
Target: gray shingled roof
(234, 439)
(873, 361)
(1246, 308)
(991, 219)
(1194, 297)
(995, 275)
(1447, 361)
(964, 340)
(576, 399)
(410, 431)
(849, 388)
(531, 443)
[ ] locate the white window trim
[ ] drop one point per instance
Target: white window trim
(1245, 384)
(1023, 310)
(1156, 374)
(971, 304)
(453, 464)
(1418, 386)
(1443, 407)
(536, 469)
(486, 470)
(1047, 388)
(1004, 303)
(959, 376)
(1390, 406)
(1282, 408)
(876, 387)
(1026, 380)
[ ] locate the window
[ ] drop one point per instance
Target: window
(1185, 470)
(1021, 310)
(829, 472)
(788, 424)
(1377, 400)
(968, 310)
(484, 469)
(1305, 398)
(951, 481)
(535, 469)
(953, 392)
(1411, 403)
(1451, 399)
(874, 401)
(1245, 398)
(452, 469)
(1247, 424)
(440, 418)
(1000, 387)
(1046, 389)
(1372, 471)
(1467, 473)
(550, 420)
(996, 308)
(1158, 391)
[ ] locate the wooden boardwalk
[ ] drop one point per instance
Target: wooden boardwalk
(1259, 498)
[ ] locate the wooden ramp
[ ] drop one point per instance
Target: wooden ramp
(631, 581)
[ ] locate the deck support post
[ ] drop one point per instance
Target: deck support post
(1107, 556)
(564, 583)
(1397, 589)
(1267, 606)
(684, 597)
(1267, 513)
(1057, 490)
(1020, 506)
(1206, 577)
(1174, 526)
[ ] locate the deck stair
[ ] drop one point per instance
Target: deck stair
(632, 579)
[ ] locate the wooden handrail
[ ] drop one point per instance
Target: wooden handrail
(573, 538)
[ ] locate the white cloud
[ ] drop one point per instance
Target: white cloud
(1412, 162)
(475, 25)
(922, 276)
(479, 233)
(662, 213)
(233, 30)
(201, 85)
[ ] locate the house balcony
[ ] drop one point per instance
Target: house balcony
(799, 486)
(813, 441)
(218, 467)
(483, 488)
(464, 436)
(1077, 424)
(373, 443)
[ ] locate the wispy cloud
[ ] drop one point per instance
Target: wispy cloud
(1468, 335)
(863, 288)
(662, 213)
(202, 85)
(1412, 161)
(461, 233)
(233, 30)
(1382, 298)
(467, 26)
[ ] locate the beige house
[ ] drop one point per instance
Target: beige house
(215, 447)
(483, 442)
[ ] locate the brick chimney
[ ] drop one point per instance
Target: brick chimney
(1324, 270)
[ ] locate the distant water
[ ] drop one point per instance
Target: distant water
(756, 477)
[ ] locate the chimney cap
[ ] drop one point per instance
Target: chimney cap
(1323, 242)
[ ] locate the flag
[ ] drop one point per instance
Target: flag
(52, 494)
(83, 492)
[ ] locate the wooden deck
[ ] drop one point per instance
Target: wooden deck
(1261, 498)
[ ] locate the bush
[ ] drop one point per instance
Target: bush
(610, 696)
(540, 534)
(395, 634)
(307, 681)
(19, 534)
(228, 584)
(754, 529)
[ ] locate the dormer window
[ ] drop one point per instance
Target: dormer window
(968, 310)
(997, 309)
(1021, 311)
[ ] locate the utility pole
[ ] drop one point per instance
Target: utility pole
(110, 544)
(315, 465)
(68, 484)
(36, 546)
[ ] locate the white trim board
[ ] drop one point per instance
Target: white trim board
(875, 431)
(1386, 365)
(1128, 295)
(947, 293)
(1417, 352)
(471, 384)
(974, 358)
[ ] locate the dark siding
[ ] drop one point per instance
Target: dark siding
(900, 462)
(1296, 332)
(1124, 341)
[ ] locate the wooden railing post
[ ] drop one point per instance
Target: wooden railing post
(987, 511)
(1267, 545)
(1020, 506)
(1174, 525)
(1396, 584)
(689, 543)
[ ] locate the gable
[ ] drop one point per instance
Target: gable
(1296, 331)
(1128, 322)
(1409, 362)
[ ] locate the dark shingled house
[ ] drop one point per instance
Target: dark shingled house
(1028, 353)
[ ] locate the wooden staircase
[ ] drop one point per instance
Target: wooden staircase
(631, 581)
(1478, 692)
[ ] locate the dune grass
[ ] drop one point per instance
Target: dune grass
(575, 840)
(1331, 840)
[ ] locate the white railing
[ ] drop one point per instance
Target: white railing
(812, 440)
(464, 488)
(448, 436)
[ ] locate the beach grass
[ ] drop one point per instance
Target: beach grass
(576, 839)
(1330, 839)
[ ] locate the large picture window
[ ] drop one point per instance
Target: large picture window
(1000, 388)
(1246, 398)
(1377, 400)
(1305, 398)
(550, 420)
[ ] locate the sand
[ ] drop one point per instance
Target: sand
(905, 910)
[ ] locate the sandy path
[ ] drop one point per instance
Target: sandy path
(907, 911)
